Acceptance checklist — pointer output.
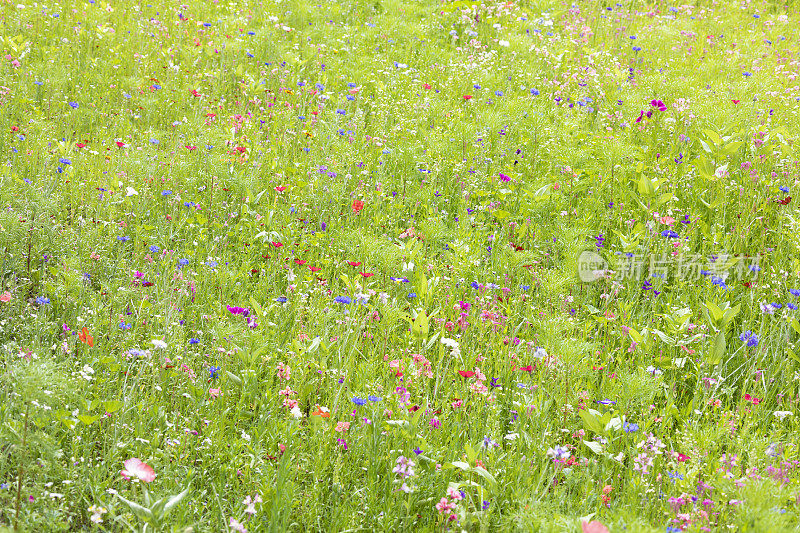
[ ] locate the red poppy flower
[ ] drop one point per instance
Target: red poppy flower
(300, 262)
(120, 144)
(357, 206)
(466, 373)
(528, 368)
(467, 97)
(280, 189)
(277, 244)
(85, 338)
(314, 269)
(80, 145)
(366, 274)
(735, 101)
(785, 201)
(354, 263)
(241, 149)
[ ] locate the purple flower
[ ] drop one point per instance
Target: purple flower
(239, 310)
(503, 177)
(606, 402)
(659, 104)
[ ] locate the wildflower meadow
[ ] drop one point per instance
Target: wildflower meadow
(399, 265)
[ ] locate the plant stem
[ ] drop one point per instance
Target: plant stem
(21, 470)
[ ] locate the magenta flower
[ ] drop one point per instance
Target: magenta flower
(238, 310)
(135, 468)
(659, 104)
(503, 177)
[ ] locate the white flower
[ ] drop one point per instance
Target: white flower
(159, 343)
(782, 414)
(130, 191)
(504, 43)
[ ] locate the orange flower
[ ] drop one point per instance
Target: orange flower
(357, 206)
(321, 412)
(85, 338)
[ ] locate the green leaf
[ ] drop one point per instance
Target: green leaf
(112, 406)
(718, 350)
(646, 186)
(590, 422)
(594, 446)
(175, 500)
(142, 512)
(420, 327)
(460, 464)
(484, 474)
(256, 307)
(716, 312)
(89, 419)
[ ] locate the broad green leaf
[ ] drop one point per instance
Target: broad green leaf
(113, 406)
(594, 446)
(590, 422)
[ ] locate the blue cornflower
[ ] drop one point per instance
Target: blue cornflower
(398, 280)
(281, 299)
(418, 450)
(319, 87)
(194, 341)
(526, 287)
(211, 264)
(352, 85)
(535, 92)
(74, 105)
(412, 294)
(785, 189)
(475, 285)
(123, 238)
(498, 93)
(166, 193)
(746, 74)
(346, 300)
(359, 401)
(750, 338)
(155, 249)
(124, 327)
(794, 292)
(340, 111)
(154, 141)
(42, 300)
(637, 48)
(374, 398)
(791, 306)
(719, 282)
(630, 428)
(668, 233)
(183, 262)
(213, 371)
(65, 161)
(190, 205)
(251, 32)
(606, 402)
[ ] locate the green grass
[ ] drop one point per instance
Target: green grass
(405, 250)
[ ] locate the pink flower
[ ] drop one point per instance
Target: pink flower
(5, 297)
(342, 426)
(593, 527)
(214, 392)
(237, 526)
(134, 467)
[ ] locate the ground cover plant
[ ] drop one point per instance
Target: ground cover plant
(399, 265)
